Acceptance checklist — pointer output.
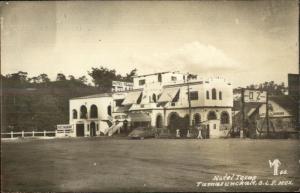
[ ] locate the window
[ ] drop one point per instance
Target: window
(197, 119)
(119, 102)
(154, 97)
(74, 114)
(224, 118)
(207, 94)
(173, 78)
(94, 111)
(142, 82)
(213, 94)
(159, 78)
(109, 110)
(220, 95)
(194, 95)
(211, 116)
(83, 112)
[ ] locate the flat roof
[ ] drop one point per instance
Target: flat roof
(94, 96)
(107, 94)
(157, 73)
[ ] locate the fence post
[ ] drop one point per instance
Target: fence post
(32, 133)
(44, 133)
(23, 134)
(56, 133)
(64, 133)
(11, 134)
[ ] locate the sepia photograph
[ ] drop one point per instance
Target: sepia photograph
(150, 96)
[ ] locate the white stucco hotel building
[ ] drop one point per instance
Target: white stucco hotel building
(159, 100)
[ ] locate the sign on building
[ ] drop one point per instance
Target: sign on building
(64, 127)
(65, 131)
(256, 96)
(121, 86)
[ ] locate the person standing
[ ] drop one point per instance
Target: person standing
(198, 127)
(177, 133)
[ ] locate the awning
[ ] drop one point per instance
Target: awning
(132, 98)
(168, 94)
(140, 117)
(122, 109)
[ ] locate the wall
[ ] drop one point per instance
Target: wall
(220, 131)
(101, 102)
(202, 87)
(153, 79)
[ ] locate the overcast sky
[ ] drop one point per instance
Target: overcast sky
(243, 41)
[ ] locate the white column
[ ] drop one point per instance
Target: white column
(23, 134)
(44, 133)
(11, 134)
(32, 133)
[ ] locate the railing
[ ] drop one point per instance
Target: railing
(23, 134)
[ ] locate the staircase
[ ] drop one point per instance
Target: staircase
(114, 128)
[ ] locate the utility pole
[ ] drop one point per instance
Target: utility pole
(267, 113)
(189, 102)
(243, 114)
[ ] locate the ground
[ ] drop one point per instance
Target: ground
(103, 164)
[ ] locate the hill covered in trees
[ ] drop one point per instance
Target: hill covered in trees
(37, 103)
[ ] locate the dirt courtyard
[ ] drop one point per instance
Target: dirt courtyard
(118, 165)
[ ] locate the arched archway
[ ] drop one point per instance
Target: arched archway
(211, 115)
(197, 119)
(173, 122)
(74, 114)
(224, 117)
(92, 129)
(159, 121)
(94, 111)
(83, 112)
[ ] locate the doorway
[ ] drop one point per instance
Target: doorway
(92, 129)
(79, 130)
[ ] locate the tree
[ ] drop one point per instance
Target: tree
(34, 80)
(16, 80)
(191, 76)
(129, 76)
(43, 78)
(82, 79)
(271, 87)
(103, 77)
(60, 77)
(71, 77)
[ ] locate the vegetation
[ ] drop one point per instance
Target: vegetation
(37, 103)
(271, 87)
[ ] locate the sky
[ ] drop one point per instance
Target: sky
(246, 42)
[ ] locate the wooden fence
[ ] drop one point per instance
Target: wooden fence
(24, 134)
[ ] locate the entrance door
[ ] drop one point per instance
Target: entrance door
(79, 130)
(92, 129)
(207, 131)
